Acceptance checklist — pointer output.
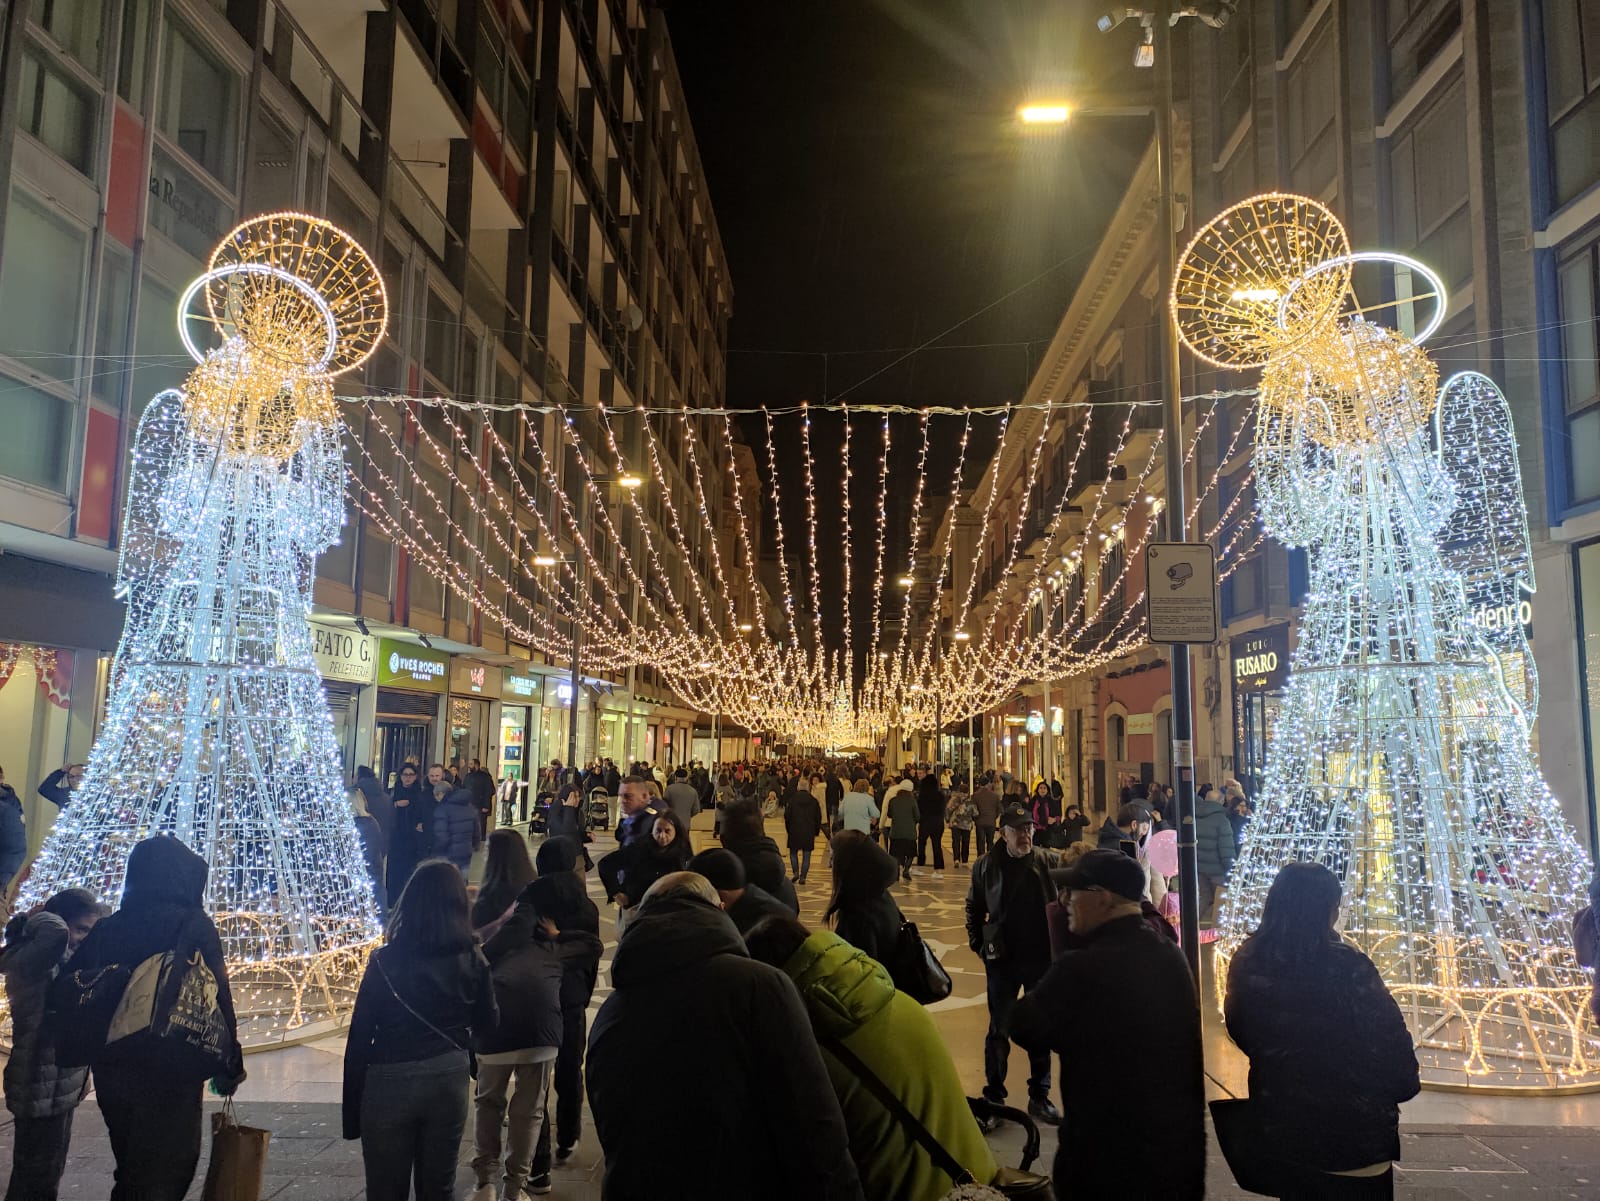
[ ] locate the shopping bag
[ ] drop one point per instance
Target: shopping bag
(238, 1165)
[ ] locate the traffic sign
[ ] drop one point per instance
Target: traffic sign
(1181, 592)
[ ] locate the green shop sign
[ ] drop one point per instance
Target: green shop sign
(402, 665)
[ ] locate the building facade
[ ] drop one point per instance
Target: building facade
(1455, 131)
(525, 175)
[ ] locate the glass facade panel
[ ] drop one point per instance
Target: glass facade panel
(75, 27)
(111, 325)
(199, 104)
(56, 109)
(41, 289)
(38, 427)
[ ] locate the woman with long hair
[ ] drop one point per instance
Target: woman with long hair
(1326, 1081)
(629, 872)
(426, 999)
(860, 907)
(507, 870)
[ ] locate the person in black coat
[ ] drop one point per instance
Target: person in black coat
(151, 1104)
(1121, 967)
(1326, 1081)
(764, 1119)
(558, 897)
(862, 911)
(480, 784)
(629, 871)
(411, 835)
(744, 833)
(802, 820)
(745, 903)
(930, 820)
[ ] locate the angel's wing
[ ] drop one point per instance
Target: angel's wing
(160, 448)
(1486, 536)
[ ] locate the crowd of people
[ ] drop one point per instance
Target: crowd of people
(776, 1058)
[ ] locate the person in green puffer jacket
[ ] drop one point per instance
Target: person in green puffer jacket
(852, 1001)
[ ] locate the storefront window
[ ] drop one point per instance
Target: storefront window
(469, 721)
(1259, 664)
(35, 691)
(1589, 631)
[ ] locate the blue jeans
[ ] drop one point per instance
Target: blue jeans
(800, 862)
(412, 1119)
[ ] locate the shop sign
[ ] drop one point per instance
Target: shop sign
(468, 678)
(402, 665)
(1261, 660)
(557, 692)
(524, 687)
(1035, 723)
(348, 656)
(1490, 613)
(1141, 723)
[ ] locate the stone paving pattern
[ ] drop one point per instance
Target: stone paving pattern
(1456, 1148)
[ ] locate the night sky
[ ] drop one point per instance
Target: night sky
(874, 192)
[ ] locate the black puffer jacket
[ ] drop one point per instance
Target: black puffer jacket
(35, 1086)
(636, 866)
(162, 904)
(802, 821)
(528, 970)
(763, 866)
(867, 917)
(766, 1123)
(561, 898)
(1329, 1078)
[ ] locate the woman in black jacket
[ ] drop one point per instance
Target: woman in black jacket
(424, 1002)
(558, 896)
(150, 1101)
(1326, 1081)
(507, 870)
(411, 830)
(863, 912)
(744, 833)
(628, 872)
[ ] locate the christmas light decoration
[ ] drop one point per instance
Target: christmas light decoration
(1401, 758)
(216, 731)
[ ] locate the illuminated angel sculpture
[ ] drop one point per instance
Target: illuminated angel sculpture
(1401, 759)
(216, 730)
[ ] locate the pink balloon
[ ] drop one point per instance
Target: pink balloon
(1161, 851)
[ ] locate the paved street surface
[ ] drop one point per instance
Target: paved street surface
(1457, 1148)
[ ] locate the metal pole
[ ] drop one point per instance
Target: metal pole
(572, 701)
(1177, 505)
(938, 696)
(1049, 772)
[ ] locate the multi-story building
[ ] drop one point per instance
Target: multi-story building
(1456, 131)
(524, 173)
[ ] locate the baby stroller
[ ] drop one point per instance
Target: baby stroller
(599, 809)
(539, 823)
(991, 1113)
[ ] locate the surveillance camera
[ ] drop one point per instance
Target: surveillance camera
(1115, 17)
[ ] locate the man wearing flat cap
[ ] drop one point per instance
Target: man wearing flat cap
(1130, 991)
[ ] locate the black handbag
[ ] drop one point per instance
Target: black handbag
(915, 969)
(1239, 1136)
(1024, 1186)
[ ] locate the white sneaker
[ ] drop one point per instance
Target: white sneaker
(938, 875)
(485, 1192)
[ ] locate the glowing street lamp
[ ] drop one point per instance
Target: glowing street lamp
(1044, 114)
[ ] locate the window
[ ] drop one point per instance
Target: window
(199, 104)
(38, 428)
(1237, 179)
(1428, 182)
(1418, 30)
(41, 289)
(1581, 382)
(131, 51)
(1572, 81)
(74, 25)
(111, 325)
(1117, 738)
(439, 341)
(269, 182)
(1234, 66)
(57, 109)
(1313, 98)
(159, 360)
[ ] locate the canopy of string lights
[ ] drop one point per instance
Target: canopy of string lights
(580, 532)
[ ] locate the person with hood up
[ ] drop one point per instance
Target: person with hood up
(558, 896)
(763, 1120)
(930, 822)
(41, 1094)
(742, 901)
(744, 833)
(527, 955)
(411, 834)
(628, 872)
(860, 908)
(13, 835)
(1215, 849)
(151, 1104)
(1326, 1081)
(456, 834)
(862, 1023)
(425, 1001)
(379, 803)
(802, 821)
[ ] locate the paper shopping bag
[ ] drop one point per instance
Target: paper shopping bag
(238, 1159)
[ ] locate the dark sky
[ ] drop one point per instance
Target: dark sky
(874, 192)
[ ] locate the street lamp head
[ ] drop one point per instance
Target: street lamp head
(630, 481)
(1145, 55)
(963, 636)
(745, 627)
(544, 560)
(907, 581)
(1044, 114)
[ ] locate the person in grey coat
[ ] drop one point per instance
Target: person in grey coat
(682, 797)
(1215, 848)
(456, 834)
(41, 1096)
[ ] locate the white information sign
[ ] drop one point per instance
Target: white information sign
(1181, 592)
